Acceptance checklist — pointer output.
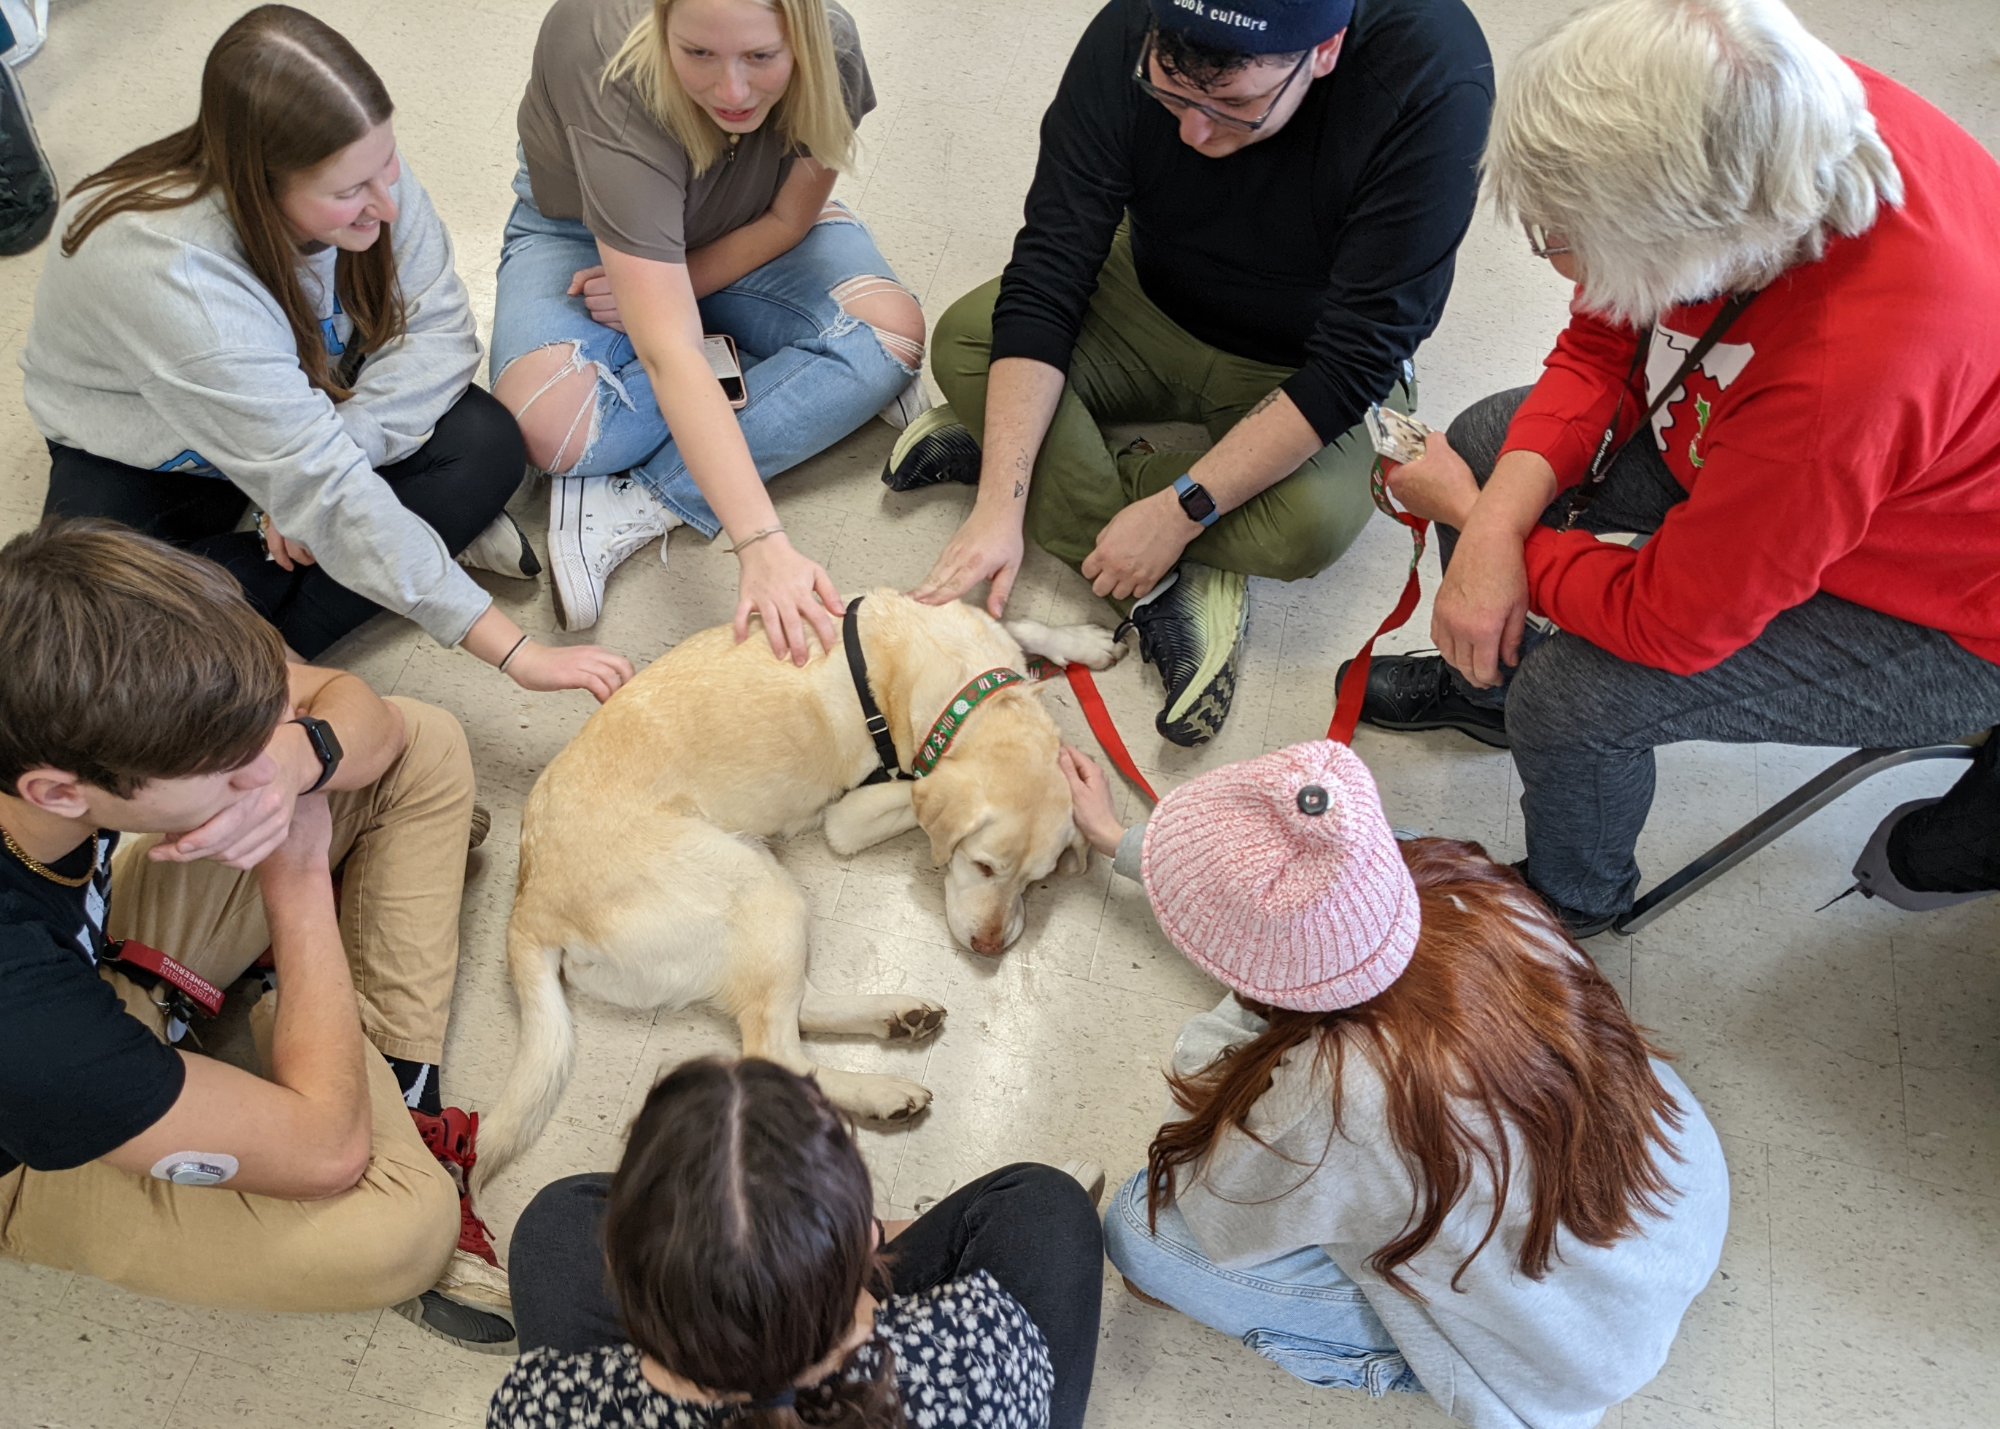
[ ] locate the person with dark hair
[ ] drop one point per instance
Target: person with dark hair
(1420, 1145)
(733, 1271)
(261, 308)
(173, 796)
(1243, 217)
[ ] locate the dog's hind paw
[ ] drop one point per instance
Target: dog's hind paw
(913, 1024)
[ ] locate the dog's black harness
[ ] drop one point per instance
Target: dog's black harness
(891, 765)
(942, 733)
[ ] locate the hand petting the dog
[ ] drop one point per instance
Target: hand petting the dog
(789, 592)
(1090, 800)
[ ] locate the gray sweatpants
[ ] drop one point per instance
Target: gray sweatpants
(1584, 723)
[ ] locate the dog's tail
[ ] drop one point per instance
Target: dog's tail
(543, 1060)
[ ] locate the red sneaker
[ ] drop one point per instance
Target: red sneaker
(450, 1136)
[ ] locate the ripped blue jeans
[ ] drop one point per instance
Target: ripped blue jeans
(1298, 1311)
(812, 371)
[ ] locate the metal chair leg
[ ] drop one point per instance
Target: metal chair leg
(1795, 808)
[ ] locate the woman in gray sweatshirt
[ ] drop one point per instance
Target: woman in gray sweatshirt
(261, 310)
(1420, 1146)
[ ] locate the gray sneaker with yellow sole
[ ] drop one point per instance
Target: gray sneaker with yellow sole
(1191, 628)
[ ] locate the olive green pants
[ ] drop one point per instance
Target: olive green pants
(1132, 363)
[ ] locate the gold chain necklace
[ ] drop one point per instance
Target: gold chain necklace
(35, 865)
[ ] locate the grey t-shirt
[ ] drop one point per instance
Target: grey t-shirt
(596, 153)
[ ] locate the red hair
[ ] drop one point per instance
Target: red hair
(1499, 1022)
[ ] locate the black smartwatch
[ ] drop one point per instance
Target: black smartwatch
(1195, 500)
(325, 744)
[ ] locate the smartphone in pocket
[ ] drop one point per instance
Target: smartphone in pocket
(720, 349)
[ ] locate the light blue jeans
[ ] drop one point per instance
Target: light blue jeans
(812, 371)
(1298, 1311)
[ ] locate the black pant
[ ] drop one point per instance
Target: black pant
(1029, 1226)
(457, 481)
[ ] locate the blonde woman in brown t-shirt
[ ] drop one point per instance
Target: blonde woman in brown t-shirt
(678, 157)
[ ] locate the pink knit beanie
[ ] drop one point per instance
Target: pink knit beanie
(1279, 876)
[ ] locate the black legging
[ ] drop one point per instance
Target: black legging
(457, 481)
(1029, 1226)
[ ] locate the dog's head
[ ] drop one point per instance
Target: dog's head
(998, 814)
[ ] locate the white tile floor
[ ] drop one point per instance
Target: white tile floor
(1848, 1055)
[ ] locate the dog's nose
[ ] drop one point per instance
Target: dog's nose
(988, 945)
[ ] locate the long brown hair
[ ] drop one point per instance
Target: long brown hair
(740, 1235)
(1499, 1022)
(281, 93)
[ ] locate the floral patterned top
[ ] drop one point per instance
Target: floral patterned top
(966, 1354)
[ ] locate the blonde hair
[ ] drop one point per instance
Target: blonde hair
(811, 115)
(1685, 148)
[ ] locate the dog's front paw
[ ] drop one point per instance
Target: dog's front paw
(891, 1099)
(1092, 647)
(915, 1022)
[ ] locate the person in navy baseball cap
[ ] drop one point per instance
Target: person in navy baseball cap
(1244, 216)
(1255, 27)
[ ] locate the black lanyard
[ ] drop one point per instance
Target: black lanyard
(1584, 492)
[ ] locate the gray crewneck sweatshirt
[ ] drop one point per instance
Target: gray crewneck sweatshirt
(1501, 1351)
(156, 346)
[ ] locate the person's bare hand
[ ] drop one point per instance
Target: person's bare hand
(246, 830)
(1481, 607)
(791, 593)
(594, 288)
(1138, 546)
(569, 667)
(1090, 800)
(1438, 485)
(288, 553)
(987, 547)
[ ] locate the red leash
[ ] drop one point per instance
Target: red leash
(1346, 710)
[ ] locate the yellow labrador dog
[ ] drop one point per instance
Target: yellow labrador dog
(644, 879)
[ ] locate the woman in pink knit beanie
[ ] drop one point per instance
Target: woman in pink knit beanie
(1420, 1146)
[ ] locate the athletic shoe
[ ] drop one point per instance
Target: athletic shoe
(1191, 626)
(452, 1136)
(1087, 1174)
(28, 194)
(1407, 692)
(1578, 925)
(503, 549)
(907, 405)
(935, 447)
(482, 824)
(595, 522)
(470, 1306)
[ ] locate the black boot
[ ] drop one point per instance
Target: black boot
(1409, 692)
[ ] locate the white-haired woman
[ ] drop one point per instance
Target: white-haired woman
(677, 160)
(1787, 268)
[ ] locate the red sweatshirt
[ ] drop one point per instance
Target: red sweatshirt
(1843, 436)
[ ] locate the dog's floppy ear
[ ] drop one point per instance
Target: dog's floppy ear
(946, 811)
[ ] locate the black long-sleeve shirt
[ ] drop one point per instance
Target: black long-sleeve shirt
(1327, 247)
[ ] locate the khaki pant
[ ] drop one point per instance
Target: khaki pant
(1132, 363)
(403, 841)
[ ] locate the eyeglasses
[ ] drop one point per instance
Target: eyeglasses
(1546, 242)
(1179, 104)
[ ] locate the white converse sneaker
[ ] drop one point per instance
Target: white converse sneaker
(908, 405)
(595, 522)
(503, 549)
